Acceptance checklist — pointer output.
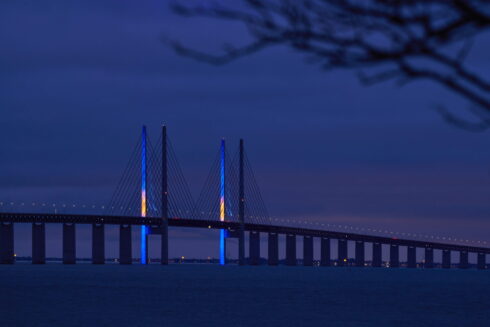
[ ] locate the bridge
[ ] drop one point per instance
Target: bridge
(153, 195)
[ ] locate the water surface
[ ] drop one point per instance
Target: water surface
(211, 295)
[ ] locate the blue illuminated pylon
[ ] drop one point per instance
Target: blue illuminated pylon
(222, 241)
(144, 229)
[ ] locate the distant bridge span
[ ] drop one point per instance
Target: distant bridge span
(155, 225)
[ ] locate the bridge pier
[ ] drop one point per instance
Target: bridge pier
(359, 253)
(254, 249)
(463, 259)
(394, 256)
(290, 250)
(325, 252)
(241, 245)
(376, 255)
(307, 251)
(446, 259)
(98, 253)
(69, 249)
(164, 243)
(38, 243)
(6, 243)
(125, 244)
(411, 257)
(273, 249)
(481, 262)
(429, 258)
(342, 252)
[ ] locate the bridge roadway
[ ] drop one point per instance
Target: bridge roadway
(155, 223)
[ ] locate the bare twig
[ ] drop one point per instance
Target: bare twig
(363, 35)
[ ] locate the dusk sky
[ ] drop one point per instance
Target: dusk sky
(77, 82)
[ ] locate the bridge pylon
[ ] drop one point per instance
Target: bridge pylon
(241, 209)
(144, 202)
(164, 191)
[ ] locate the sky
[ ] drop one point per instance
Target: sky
(77, 82)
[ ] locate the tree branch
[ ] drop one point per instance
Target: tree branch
(362, 35)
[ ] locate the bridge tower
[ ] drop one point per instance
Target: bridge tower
(241, 209)
(222, 204)
(164, 244)
(144, 229)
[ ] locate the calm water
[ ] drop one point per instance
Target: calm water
(209, 295)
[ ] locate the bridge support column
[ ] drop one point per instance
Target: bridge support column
(6, 243)
(446, 259)
(273, 249)
(38, 243)
(342, 253)
(291, 250)
(481, 264)
(254, 248)
(376, 255)
(359, 253)
(98, 253)
(241, 245)
(463, 259)
(125, 244)
(307, 251)
(394, 256)
(325, 252)
(429, 258)
(411, 257)
(69, 249)
(164, 244)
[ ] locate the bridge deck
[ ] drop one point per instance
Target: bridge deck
(186, 222)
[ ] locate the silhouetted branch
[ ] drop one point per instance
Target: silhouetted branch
(403, 40)
(480, 126)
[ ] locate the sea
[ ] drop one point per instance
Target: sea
(213, 295)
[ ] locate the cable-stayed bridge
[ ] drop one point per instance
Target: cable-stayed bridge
(153, 195)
